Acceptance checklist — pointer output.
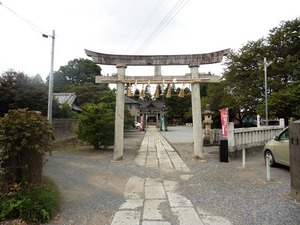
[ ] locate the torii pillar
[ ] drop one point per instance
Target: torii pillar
(197, 118)
(193, 61)
(119, 117)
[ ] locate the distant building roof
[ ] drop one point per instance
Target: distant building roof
(151, 104)
(69, 98)
(131, 101)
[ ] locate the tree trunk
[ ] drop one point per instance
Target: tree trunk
(32, 166)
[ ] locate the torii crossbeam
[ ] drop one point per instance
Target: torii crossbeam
(156, 60)
(194, 77)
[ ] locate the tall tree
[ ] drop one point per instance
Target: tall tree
(218, 97)
(284, 72)
(244, 75)
(147, 93)
(77, 72)
(18, 90)
(178, 106)
(284, 48)
(89, 92)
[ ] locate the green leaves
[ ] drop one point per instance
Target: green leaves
(25, 137)
(25, 129)
(17, 90)
(244, 82)
(97, 124)
(34, 204)
(178, 106)
(77, 72)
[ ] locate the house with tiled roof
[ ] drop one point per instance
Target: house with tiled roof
(152, 111)
(68, 98)
(133, 106)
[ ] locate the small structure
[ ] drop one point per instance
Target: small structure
(68, 98)
(134, 107)
(207, 123)
(152, 111)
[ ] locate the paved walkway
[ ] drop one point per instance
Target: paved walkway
(158, 201)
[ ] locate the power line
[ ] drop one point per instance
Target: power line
(32, 25)
(167, 19)
(151, 15)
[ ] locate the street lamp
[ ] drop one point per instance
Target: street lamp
(50, 93)
(266, 88)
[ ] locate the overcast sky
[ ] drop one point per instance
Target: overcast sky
(130, 27)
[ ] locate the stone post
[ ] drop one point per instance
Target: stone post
(197, 119)
(281, 122)
(258, 120)
(207, 122)
(231, 137)
(119, 116)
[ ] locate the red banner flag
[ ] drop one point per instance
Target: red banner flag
(224, 121)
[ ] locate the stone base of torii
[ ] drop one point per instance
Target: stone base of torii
(194, 78)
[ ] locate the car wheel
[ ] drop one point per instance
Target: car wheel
(269, 154)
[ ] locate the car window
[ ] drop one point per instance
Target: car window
(284, 135)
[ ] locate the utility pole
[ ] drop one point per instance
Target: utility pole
(266, 88)
(50, 93)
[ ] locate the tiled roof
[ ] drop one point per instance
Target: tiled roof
(156, 104)
(131, 101)
(69, 98)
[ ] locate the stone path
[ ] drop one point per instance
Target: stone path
(156, 201)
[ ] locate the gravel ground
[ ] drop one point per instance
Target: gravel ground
(92, 185)
(242, 195)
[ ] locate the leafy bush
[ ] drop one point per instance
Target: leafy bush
(97, 125)
(64, 111)
(34, 204)
(25, 138)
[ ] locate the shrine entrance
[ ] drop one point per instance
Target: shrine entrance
(194, 78)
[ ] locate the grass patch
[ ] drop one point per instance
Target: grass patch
(33, 204)
(67, 145)
(78, 147)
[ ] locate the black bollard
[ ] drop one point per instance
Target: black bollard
(223, 150)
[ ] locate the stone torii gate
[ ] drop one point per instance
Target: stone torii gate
(194, 78)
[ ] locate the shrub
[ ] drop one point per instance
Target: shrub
(33, 203)
(25, 137)
(97, 125)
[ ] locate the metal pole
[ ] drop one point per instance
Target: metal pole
(50, 93)
(266, 89)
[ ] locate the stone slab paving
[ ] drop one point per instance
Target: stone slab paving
(146, 197)
(152, 209)
(125, 217)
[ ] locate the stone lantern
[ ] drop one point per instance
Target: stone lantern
(207, 122)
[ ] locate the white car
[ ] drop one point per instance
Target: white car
(278, 149)
(137, 125)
